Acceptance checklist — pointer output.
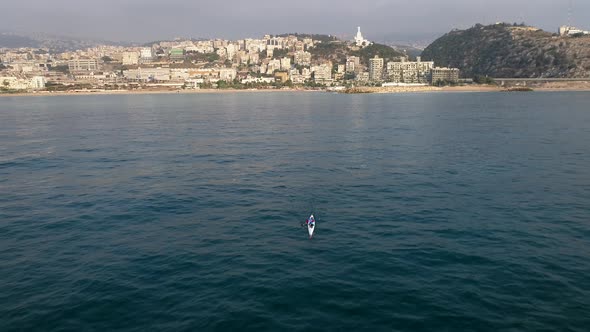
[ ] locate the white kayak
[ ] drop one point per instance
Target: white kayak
(311, 225)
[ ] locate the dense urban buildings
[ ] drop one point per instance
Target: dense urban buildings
(272, 61)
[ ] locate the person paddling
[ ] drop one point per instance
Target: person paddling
(310, 222)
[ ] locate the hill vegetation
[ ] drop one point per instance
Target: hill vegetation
(504, 50)
(383, 51)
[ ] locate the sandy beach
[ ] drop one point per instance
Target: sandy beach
(556, 86)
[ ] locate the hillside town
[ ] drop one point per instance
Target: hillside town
(285, 61)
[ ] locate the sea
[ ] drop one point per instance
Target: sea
(184, 212)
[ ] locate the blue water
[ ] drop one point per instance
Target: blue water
(437, 212)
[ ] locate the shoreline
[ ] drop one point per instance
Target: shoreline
(361, 90)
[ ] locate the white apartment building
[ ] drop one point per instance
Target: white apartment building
(130, 58)
(323, 73)
(227, 74)
(285, 63)
(409, 71)
(38, 82)
(146, 53)
(376, 69)
(273, 65)
(302, 58)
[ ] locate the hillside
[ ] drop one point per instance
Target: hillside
(14, 41)
(504, 50)
(55, 44)
(383, 51)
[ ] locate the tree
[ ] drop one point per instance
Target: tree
(106, 59)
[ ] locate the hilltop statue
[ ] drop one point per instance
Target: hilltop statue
(359, 40)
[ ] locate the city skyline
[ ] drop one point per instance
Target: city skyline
(384, 20)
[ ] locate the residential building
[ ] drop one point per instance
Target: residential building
(302, 58)
(38, 82)
(450, 75)
(409, 71)
(273, 65)
(147, 74)
(362, 76)
(83, 65)
(322, 73)
(285, 64)
(352, 64)
(227, 74)
(146, 54)
(376, 69)
(130, 58)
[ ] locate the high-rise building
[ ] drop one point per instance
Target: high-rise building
(352, 64)
(376, 68)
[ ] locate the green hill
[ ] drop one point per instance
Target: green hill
(504, 50)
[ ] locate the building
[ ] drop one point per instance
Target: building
(444, 75)
(148, 74)
(83, 65)
(571, 31)
(285, 64)
(204, 47)
(362, 77)
(273, 65)
(359, 40)
(352, 64)
(322, 74)
(281, 76)
(227, 74)
(21, 82)
(303, 58)
(274, 43)
(177, 54)
(38, 82)
(409, 71)
(13, 83)
(376, 69)
(130, 58)
(146, 54)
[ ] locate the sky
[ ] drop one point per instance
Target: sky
(380, 20)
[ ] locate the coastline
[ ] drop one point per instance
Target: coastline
(546, 87)
(145, 92)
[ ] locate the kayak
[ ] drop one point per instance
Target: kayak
(311, 225)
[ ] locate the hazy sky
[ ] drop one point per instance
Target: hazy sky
(147, 20)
